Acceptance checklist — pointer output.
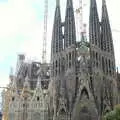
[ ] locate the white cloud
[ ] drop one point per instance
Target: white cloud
(20, 17)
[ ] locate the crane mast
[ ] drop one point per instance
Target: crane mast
(81, 14)
(81, 27)
(45, 31)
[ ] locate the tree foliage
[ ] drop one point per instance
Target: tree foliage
(113, 115)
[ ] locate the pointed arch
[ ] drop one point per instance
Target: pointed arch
(62, 114)
(62, 111)
(84, 93)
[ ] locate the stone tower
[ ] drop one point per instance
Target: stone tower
(102, 59)
(83, 73)
(63, 54)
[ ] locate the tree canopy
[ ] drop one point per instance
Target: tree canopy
(113, 115)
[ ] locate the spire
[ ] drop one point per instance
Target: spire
(11, 76)
(26, 88)
(58, 3)
(117, 71)
(94, 25)
(107, 42)
(26, 83)
(20, 61)
(39, 83)
(14, 85)
(69, 3)
(70, 33)
(57, 43)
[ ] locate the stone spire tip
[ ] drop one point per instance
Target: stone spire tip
(57, 2)
(103, 2)
(39, 82)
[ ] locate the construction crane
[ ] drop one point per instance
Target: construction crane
(45, 31)
(79, 12)
(81, 27)
(81, 31)
(45, 65)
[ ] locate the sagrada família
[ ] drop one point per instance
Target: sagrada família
(79, 83)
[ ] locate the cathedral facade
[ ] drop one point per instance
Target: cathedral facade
(83, 73)
(80, 83)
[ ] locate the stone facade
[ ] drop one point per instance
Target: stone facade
(83, 73)
(28, 104)
(26, 97)
(81, 80)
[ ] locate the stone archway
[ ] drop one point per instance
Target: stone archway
(62, 114)
(85, 107)
(84, 114)
(37, 116)
(84, 94)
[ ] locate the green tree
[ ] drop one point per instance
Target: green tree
(113, 115)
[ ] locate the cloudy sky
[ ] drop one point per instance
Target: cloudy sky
(21, 30)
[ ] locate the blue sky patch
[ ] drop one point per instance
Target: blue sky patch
(3, 1)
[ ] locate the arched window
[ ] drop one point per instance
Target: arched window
(109, 67)
(103, 64)
(53, 69)
(93, 60)
(62, 114)
(106, 66)
(84, 94)
(13, 98)
(70, 60)
(96, 59)
(85, 114)
(37, 116)
(56, 67)
(66, 62)
(59, 65)
(38, 98)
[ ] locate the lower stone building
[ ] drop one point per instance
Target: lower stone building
(28, 105)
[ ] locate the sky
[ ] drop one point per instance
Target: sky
(21, 30)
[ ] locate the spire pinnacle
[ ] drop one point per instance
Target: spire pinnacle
(107, 41)
(26, 84)
(103, 2)
(94, 25)
(104, 7)
(117, 70)
(69, 3)
(26, 88)
(70, 31)
(39, 83)
(11, 74)
(57, 44)
(93, 3)
(14, 86)
(57, 2)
